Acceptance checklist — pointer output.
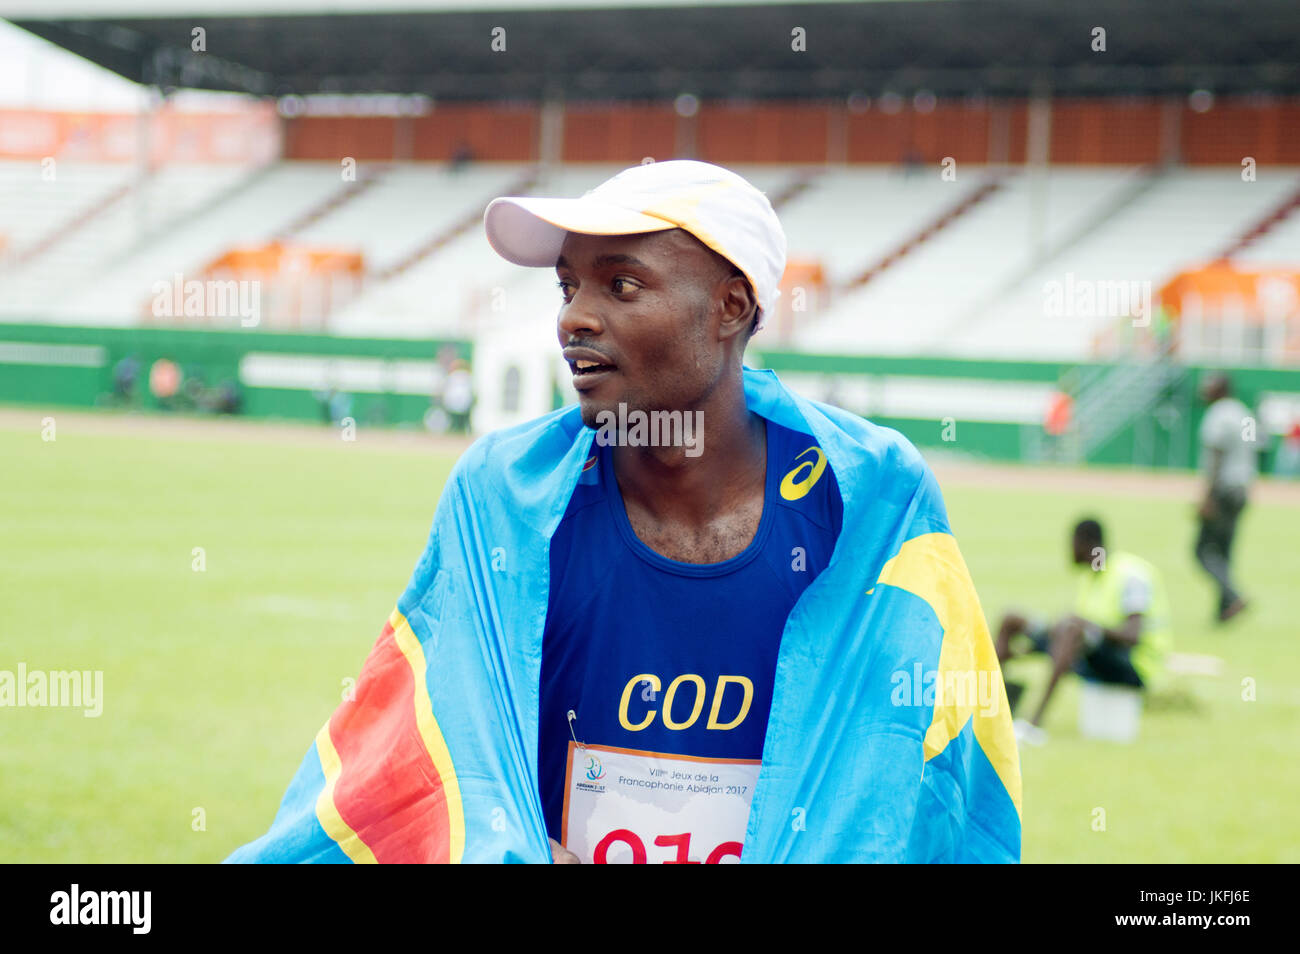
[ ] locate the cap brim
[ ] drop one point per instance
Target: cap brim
(530, 231)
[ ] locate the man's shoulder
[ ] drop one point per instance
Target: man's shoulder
(885, 443)
(881, 476)
(526, 471)
(1136, 567)
(876, 453)
(1224, 416)
(533, 445)
(885, 449)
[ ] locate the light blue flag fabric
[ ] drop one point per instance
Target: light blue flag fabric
(889, 739)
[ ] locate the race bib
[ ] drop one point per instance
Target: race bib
(622, 806)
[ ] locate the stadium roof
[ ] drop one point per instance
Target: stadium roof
(732, 50)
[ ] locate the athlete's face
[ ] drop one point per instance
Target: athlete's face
(1081, 549)
(1213, 388)
(649, 320)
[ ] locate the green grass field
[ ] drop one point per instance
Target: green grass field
(215, 682)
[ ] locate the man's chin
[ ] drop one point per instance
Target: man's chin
(591, 411)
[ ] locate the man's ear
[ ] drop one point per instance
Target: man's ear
(739, 306)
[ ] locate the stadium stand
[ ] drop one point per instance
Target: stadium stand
(117, 215)
(264, 203)
(1277, 238)
(1117, 175)
(36, 208)
(969, 285)
(908, 306)
(1186, 217)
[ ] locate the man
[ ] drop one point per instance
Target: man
(1118, 634)
(1228, 463)
(668, 625)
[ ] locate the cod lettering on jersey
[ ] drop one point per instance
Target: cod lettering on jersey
(650, 685)
(668, 667)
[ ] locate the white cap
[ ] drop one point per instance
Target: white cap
(718, 207)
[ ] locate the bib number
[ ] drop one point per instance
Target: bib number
(622, 806)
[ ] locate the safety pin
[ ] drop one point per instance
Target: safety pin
(572, 718)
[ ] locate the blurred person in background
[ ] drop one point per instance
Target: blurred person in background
(1057, 420)
(1229, 465)
(462, 156)
(126, 373)
(226, 398)
(1287, 462)
(458, 396)
(1118, 634)
(335, 405)
(165, 379)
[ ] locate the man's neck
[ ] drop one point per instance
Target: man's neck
(670, 484)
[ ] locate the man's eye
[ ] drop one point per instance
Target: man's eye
(563, 286)
(621, 286)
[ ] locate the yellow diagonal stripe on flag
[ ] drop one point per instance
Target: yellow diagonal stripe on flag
(436, 745)
(931, 567)
(327, 812)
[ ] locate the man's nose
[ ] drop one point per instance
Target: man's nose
(578, 319)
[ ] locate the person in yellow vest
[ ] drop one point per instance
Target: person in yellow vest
(1119, 632)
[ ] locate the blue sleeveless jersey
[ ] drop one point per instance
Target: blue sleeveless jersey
(633, 640)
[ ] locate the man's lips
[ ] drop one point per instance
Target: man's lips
(587, 363)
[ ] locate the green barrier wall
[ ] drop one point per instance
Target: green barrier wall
(213, 356)
(42, 376)
(1158, 440)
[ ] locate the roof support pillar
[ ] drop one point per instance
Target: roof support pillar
(550, 131)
